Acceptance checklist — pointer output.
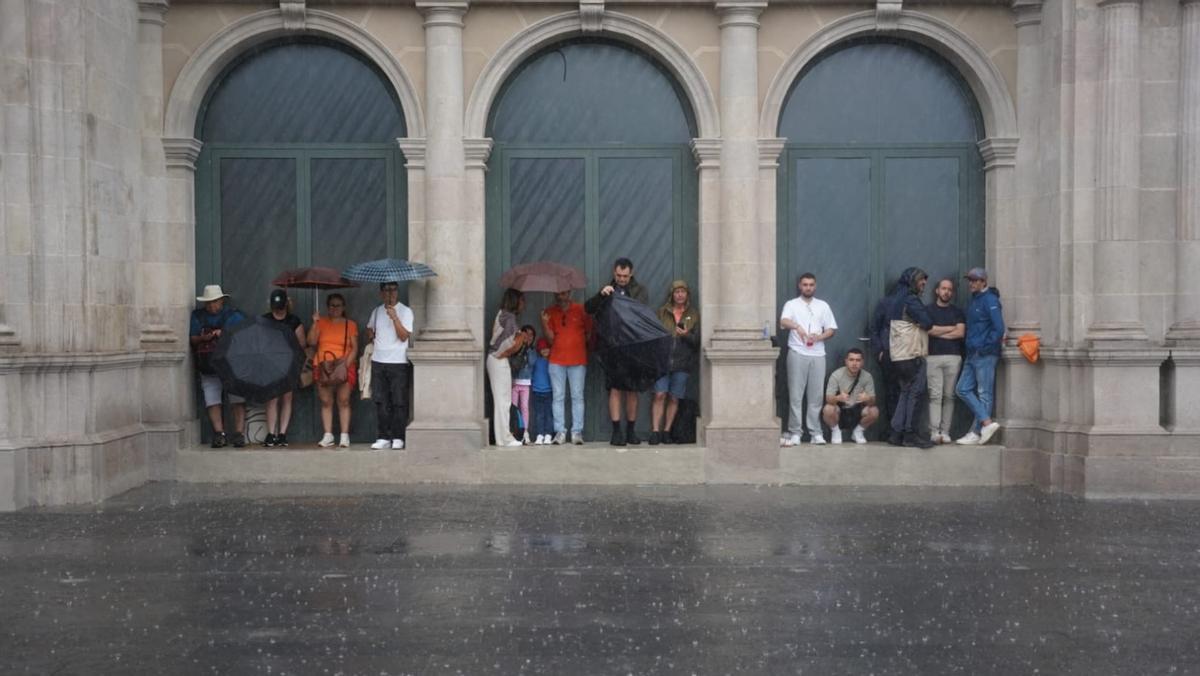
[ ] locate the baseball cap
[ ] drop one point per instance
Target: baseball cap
(543, 344)
(977, 274)
(279, 299)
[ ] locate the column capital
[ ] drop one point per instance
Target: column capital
(1027, 12)
(414, 152)
(476, 152)
(8, 339)
(182, 153)
(707, 152)
(998, 151)
(443, 12)
(739, 12)
(153, 12)
(769, 150)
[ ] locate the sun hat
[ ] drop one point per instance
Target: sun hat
(211, 292)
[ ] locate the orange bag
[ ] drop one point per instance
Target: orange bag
(1030, 346)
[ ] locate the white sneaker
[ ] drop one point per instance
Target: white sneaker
(818, 440)
(525, 440)
(326, 441)
(380, 444)
(514, 444)
(835, 435)
(559, 439)
(344, 442)
(397, 444)
(577, 438)
(986, 432)
(793, 440)
(859, 435)
(968, 439)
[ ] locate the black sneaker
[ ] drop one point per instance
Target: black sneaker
(239, 440)
(631, 436)
(655, 438)
(914, 440)
(218, 440)
(895, 439)
(269, 441)
(618, 438)
(281, 440)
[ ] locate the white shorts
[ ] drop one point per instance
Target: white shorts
(211, 385)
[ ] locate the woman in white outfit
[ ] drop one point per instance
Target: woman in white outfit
(506, 341)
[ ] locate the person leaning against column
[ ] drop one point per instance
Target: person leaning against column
(506, 341)
(945, 359)
(567, 327)
(985, 336)
(334, 337)
(389, 328)
(809, 322)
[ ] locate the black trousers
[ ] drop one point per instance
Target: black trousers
(913, 391)
(389, 389)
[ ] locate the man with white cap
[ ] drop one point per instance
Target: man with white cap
(208, 324)
(985, 337)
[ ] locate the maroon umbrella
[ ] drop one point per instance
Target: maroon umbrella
(313, 278)
(543, 276)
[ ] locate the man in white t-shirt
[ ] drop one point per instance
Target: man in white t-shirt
(810, 323)
(389, 328)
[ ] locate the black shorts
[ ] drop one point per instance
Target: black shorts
(849, 417)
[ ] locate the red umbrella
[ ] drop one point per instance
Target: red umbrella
(313, 278)
(543, 276)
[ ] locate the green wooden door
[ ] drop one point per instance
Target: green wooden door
(587, 206)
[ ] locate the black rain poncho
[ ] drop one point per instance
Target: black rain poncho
(632, 346)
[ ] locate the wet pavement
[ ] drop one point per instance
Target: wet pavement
(179, 579)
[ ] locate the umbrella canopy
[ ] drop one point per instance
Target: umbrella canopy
(259, 360)
(313, 278)
(634, 349)
(543, 276)
(388, 270)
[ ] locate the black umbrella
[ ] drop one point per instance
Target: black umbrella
(633, 347)
(259, 359)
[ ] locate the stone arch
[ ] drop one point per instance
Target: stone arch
(984, 78)
(615, 26)
(209, 61)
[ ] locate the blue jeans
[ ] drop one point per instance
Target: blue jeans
(543, 421)
(977, 386)
(559, 377)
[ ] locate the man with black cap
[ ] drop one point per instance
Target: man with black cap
(985, 337)
(279, 409)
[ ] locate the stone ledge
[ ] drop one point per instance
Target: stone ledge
(63, 362)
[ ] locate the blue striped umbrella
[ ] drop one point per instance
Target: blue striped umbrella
(388, 270)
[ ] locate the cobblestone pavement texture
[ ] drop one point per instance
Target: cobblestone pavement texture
(179, 579)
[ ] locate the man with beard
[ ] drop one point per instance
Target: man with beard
(622, 284)
(809, 323)
(945, 359)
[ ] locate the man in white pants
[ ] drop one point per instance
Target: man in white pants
(809, 323)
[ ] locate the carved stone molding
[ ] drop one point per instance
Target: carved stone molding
(998, 152)
(414, 152)
(8, 339)
(769, 150)
(1027, 12)
(740, 12)
(295, 14)
(153, 12)
(707, 152)
(887, 14)
(591, 15)
(476, 152)
(181, 153)
(443, 12)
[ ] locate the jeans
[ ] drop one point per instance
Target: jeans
(389, 388)
(942, 373)
(911, 377)
(805, 375)
(977, 385)
(543, 419)
(559, 377)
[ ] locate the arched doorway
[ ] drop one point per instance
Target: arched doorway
(591, 162)
(881, 170)
(299, 167)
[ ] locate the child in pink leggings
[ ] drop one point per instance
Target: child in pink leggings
(523, 379)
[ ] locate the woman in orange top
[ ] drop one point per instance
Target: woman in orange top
(334, 337)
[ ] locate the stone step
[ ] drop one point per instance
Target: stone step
(596, 463)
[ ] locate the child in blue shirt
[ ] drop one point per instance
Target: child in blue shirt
(543, 419)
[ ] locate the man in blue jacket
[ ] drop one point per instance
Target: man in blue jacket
(985, 337)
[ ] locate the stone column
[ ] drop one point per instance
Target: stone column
(742, 433)
(448, 383)
(1186, 328)
(1118, 177)
(444, 172)
(1023, 288)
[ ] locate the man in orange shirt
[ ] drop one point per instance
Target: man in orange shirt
(568, 327)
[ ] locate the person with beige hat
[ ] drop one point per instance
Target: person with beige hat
(682, 320)
(207, 325)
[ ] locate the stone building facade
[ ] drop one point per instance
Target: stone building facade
(1089, 207)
